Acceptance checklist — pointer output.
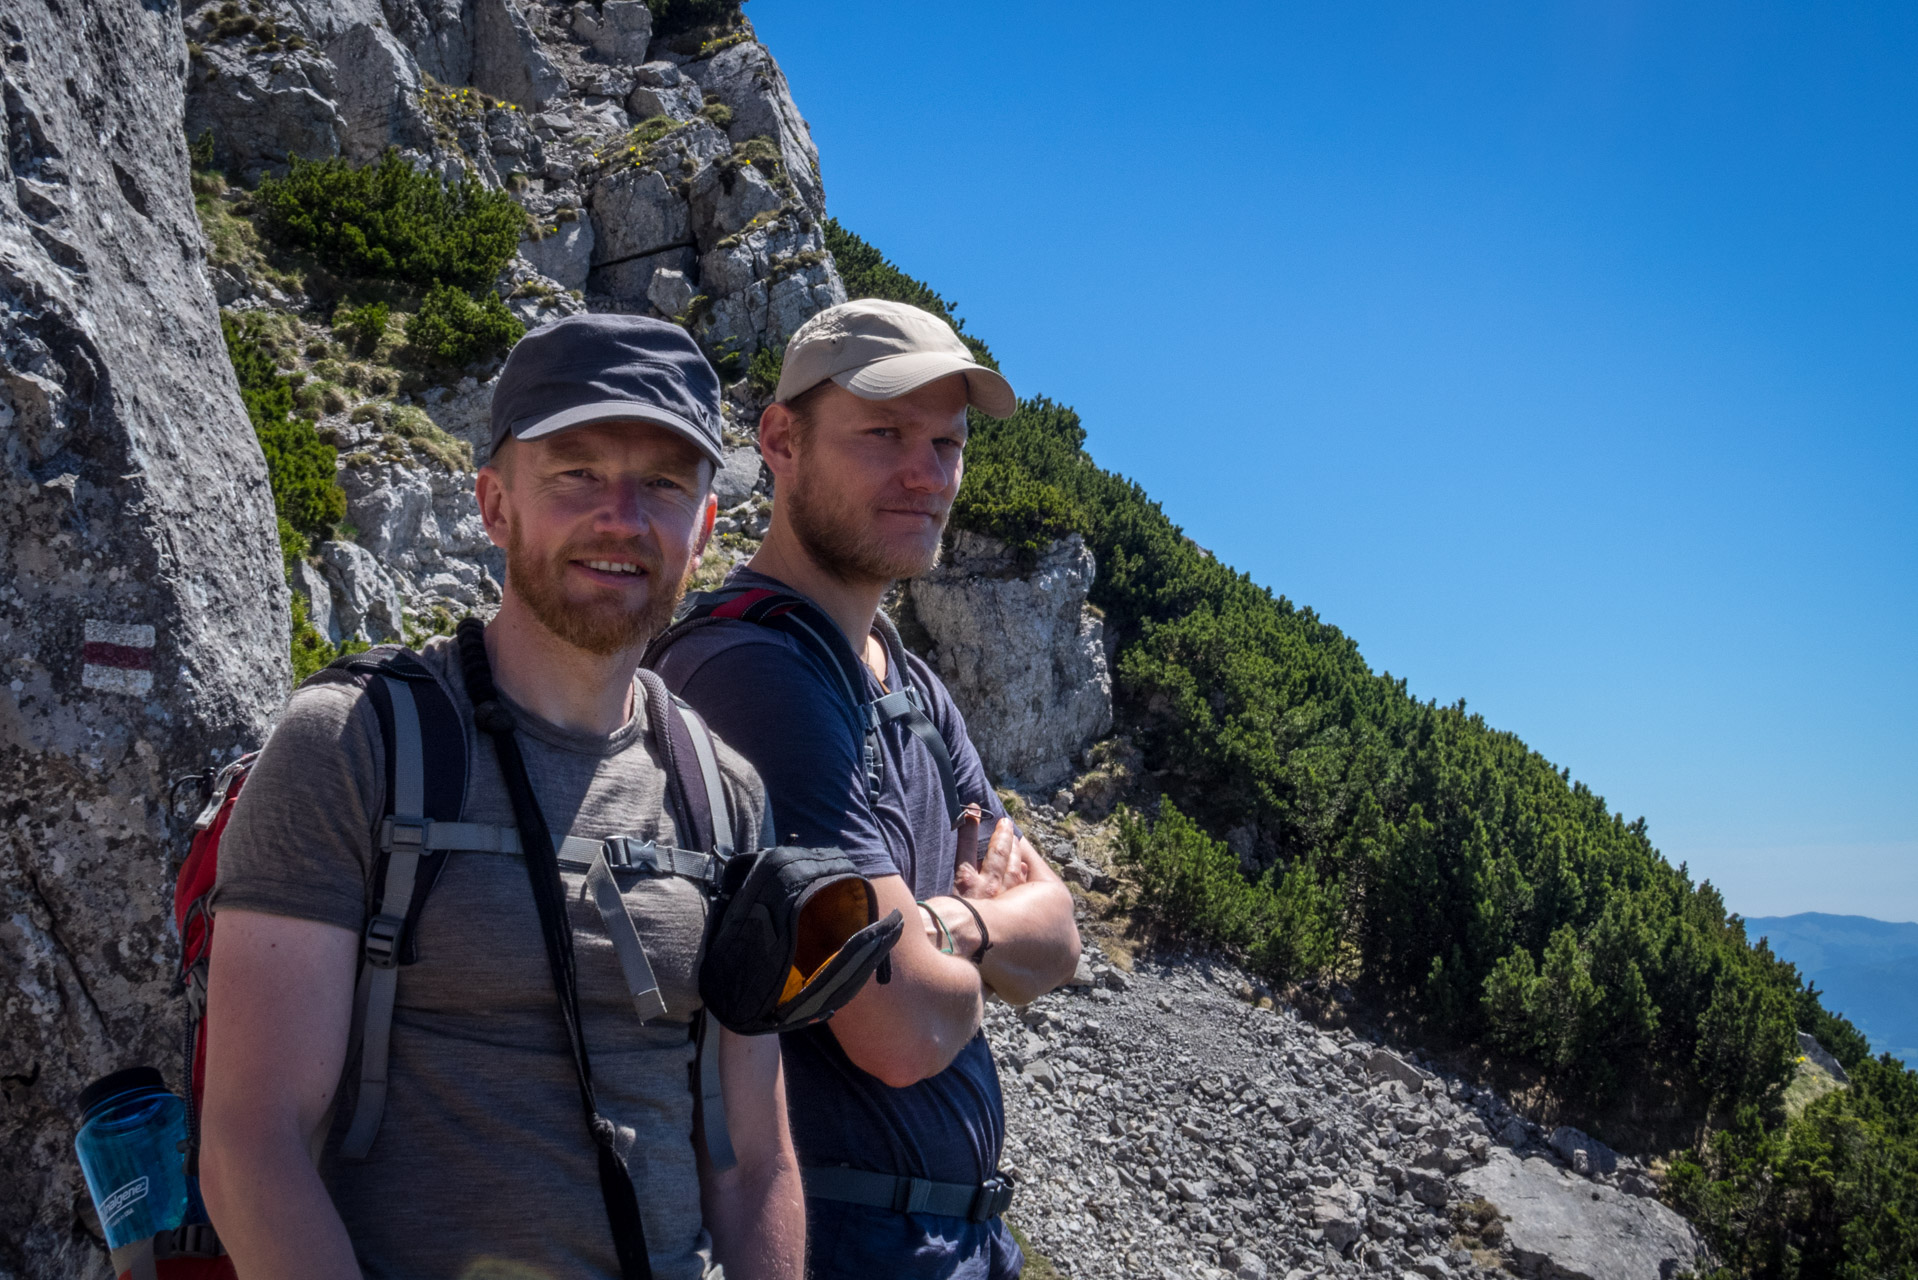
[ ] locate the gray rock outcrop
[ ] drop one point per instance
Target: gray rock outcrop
(1821, 1057)
(1023, 655)
(1564, 1227)
(142, 608)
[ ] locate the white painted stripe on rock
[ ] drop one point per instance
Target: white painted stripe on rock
(117, 679)
(126, 634)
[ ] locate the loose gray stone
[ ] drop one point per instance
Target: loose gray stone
(1586, 1155)
(734, 482)
(1560, 1225)
(1383, 1064)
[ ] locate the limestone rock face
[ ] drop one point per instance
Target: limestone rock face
(752, 86)
(618, 30)
(1564, 1227)
(260, 110)
(142, 610)
(1023, 656)
(660, 90)
(508, 61)
(378, 91)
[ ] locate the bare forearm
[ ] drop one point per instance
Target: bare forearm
(758, 1221)
(1035, 941)
(271, 1209)
(912, 1027)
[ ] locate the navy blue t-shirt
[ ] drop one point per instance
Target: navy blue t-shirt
(777, 705)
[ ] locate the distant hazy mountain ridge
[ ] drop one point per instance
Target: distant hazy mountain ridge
(1865, 969)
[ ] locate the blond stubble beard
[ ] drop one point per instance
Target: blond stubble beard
(604, 629)
(839, 545)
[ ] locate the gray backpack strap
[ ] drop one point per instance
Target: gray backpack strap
(709, 1096)
(641, 983)
(715, 784)
(402, 836)
(708, 1092)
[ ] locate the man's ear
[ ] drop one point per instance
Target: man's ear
(777, 437)
(489, 488)
(706, 526)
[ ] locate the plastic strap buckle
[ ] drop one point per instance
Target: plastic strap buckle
(403, 833)
(382, 942)
(629, 854)
(992, 1199)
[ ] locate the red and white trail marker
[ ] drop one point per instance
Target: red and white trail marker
(118, 657)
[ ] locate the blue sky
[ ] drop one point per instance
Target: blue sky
(1566, 356)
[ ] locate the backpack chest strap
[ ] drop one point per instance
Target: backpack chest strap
(576, 853)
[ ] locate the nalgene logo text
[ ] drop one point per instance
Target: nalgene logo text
(120, 1203)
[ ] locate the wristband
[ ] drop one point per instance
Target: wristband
(985, 938)
(948, 947)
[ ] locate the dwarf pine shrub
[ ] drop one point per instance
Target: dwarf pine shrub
(391, 221)
(762, 372)
(364, 325)
(455, 329)
(300, 466)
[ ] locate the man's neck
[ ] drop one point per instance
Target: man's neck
(556, 681)
(850, 604)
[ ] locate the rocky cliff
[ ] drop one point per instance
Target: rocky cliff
(142, 612)
(1166, 1116)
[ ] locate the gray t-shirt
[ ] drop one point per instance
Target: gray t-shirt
(483, 1166)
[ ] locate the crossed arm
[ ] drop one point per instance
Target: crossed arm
(279, 1013)
(912, 1027)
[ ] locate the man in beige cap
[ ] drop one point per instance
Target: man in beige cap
(895, 1104)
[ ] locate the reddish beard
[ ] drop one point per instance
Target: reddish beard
(839, 537)
(606, 624)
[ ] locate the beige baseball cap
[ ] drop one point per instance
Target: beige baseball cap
(882, 350)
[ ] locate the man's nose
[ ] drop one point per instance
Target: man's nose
(925, 470)
(625, 510)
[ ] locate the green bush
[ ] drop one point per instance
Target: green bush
(762, 372)
(390, 221)
(453, 328)
(366, 324)
(1466, 884)
(310, 650)
(300, 467)
(1193, 886)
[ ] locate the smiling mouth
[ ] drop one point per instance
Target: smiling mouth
(614, 568)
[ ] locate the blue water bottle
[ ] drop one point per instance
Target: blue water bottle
(131, 1144)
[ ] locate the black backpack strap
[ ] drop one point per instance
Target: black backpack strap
(549, 897)
(905, 704)
(819, 635)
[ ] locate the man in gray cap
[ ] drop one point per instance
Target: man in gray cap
(896, 1110)
(460, 1150)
